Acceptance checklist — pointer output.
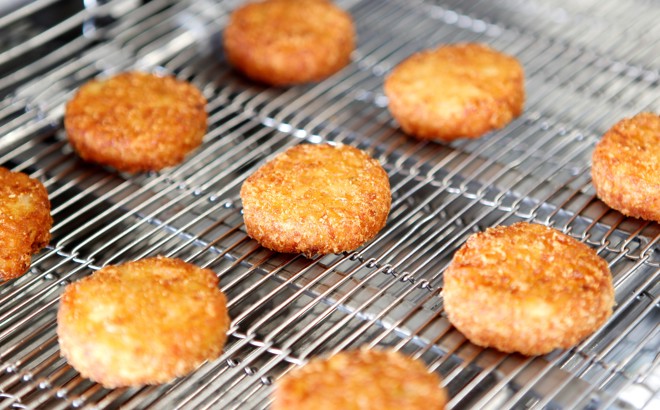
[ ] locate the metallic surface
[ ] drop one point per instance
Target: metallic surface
(587, 65)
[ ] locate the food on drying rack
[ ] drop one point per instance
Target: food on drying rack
(316, 199)
(136, 121)
(527, 288)
(626, 167)
(142, 322)
(282, 42)
(455, 91)
(25, 222)
(360, 380)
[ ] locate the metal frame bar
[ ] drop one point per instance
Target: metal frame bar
(287, 309)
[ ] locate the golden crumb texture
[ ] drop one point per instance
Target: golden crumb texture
(136, 121)
(625, 167)
(25, 222)
(143, 322)
(455, 91)
(316, 199)
(284, 42)
(527, 288)
(360, 380)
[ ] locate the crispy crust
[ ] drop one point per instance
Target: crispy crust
(360, 380)
(527, 288)
(282, 42)
(143, 322)
(25, 222)
(626, 167)
(316, 199)
(136, 121)
(455, 91)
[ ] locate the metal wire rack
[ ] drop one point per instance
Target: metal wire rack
(587, 65)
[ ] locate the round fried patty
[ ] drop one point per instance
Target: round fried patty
(316, 199)
(626, 167)
(136, 121)
(360, 380)
(283, 42)
(455, 91)
(25, 222)
(527, 288)
(143, 322)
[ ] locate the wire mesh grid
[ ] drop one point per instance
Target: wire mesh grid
(286, 308)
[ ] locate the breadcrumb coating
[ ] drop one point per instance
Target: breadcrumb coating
(143, 322)
(136, 121)
(626, 167)
(455, 91)
(360, 380)
(284, 42)
(316, 199)
(25, 222)
(527, 288)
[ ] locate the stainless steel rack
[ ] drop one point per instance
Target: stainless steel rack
(587, 65)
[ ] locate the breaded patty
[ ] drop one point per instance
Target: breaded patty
(136, 121)
(625, 167)
(360, 380)
(143, 322)
(316, 199)
(455, 91)
(282, 42)
(25, 222)
(527, 288)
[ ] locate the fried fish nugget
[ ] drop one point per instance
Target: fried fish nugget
(455, 91)
(143, 322)
(136, 121)
(25, 222)
(316, 199)
(625, 167)
(527, 288)
(360, 380)
(283, 42)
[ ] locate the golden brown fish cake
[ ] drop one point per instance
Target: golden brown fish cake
(283, 42)
(455, 91)
(143, 322)
(360, 380)
(25, 222)
(527, 288)
(625, 167)
(316, 199)
(136, 121)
